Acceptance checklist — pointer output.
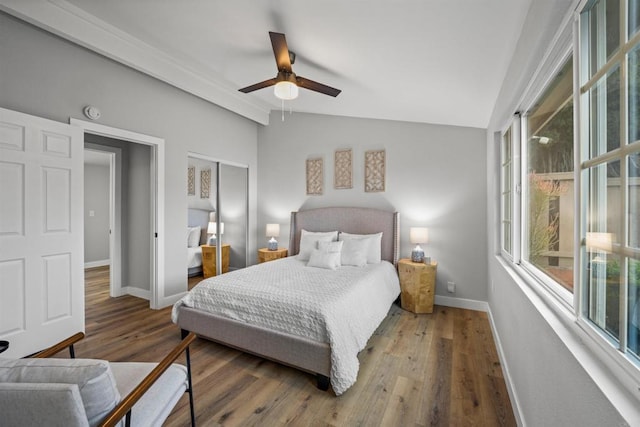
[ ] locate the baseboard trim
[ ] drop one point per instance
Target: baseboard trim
(515, 403)
(99, 263)
(468, 304)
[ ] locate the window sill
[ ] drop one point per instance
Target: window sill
(615, 376)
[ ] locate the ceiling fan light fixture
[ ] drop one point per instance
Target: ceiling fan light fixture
(286, 90)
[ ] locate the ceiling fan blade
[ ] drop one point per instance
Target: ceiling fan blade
(257, 86)
(317, 87)
(280, 51)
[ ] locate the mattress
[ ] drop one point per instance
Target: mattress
(340, 307)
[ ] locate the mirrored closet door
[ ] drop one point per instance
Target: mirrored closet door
(217, 216)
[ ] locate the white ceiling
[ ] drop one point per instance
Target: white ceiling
(432, 61)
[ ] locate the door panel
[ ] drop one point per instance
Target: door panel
(41, 227)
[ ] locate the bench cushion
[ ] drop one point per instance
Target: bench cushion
(94, 379)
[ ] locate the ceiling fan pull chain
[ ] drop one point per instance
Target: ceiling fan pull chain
(282, 109)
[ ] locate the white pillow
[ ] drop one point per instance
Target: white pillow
(326, 256)
(354, 252)
(374, 245)
(193, 236)
(309, 240)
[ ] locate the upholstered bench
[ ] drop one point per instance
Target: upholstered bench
(89, 392)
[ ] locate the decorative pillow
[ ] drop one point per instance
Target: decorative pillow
(309, 240)
(326, 256)
(193, 236)
(94, 379)
(374, 245)
(354, 252)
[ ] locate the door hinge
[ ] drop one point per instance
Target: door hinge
(156, 235)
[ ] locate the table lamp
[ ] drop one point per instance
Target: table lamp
(418, 235)
(213, 230)
(273, 231)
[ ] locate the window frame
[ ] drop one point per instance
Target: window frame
(513, 129)
(563, 52)
(566, 305)
(615, 349)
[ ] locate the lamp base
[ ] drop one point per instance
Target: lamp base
(272, 245)
(417, 255)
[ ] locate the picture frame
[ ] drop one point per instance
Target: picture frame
(205, 183)
(343, 169)
(191, 181)
(374, 171)
(315, 176)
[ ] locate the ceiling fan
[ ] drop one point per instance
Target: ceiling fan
(286, 82)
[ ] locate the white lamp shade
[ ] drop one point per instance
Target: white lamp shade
(213, 228)
(273, 230)
(418, 235)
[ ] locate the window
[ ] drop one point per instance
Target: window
(610, 168)
(506, 201)
(549, 197)
(587, 258)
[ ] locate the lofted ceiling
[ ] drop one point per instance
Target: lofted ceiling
(430, 61)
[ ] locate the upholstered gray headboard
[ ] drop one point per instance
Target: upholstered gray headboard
(199, 217)
(348, 220)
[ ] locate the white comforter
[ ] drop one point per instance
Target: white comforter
(342, 307)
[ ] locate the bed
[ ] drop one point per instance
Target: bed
(333, 333)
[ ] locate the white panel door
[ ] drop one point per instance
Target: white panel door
(41, 232)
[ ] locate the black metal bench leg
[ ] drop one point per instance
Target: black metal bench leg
(190, 390)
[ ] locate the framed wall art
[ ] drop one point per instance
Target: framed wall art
(343, 169)
(374, 171)
(205, 183)
(315, 176)
(191, 181)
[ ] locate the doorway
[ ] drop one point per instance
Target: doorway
(98, 207)
(136, 264)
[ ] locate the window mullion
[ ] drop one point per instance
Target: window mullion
(598, 177)
(624, 179)
(516, 146)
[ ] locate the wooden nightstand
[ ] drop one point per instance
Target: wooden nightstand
(418, 285)
(265, 255)
(209, 260)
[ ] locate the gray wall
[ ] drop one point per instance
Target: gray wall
(138, 214)
(550, 384)
(46, 76)
(96, 199)
(435, 178)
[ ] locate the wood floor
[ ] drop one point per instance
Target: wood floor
(437, 369)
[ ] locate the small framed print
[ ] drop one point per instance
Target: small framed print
(315, 176)
(191, 181)
(374, 171)
(343, 169)
(205, 183)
